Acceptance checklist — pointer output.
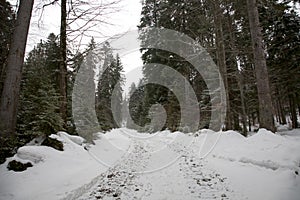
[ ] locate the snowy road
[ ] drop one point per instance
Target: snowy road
(186, 177)
(170, 166)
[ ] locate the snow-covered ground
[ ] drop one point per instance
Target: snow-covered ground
(124, 164)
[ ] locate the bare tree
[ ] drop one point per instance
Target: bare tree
(266, 119)
(11, 88)
(78, 19)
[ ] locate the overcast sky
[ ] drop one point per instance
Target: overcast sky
(48, 21)
(126, 19)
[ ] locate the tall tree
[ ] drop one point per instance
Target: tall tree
(7, 19)
(11, 88)
(111, 74)
(63, 62)
(78, 19)
(262, 77)
(178, 16)
(221, 57)
(39, 98)
(282, 25)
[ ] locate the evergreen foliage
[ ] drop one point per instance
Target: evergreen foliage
(39, 101)
(109, 85)
(222, 27)
(186, 17)
(283, 44)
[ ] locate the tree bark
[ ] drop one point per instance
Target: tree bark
(244, 114)
(221, 60)
(266, 119)
(15, 60)
(239, 77)
(282, 112)
(278, 113)
(63, 62)
(293, 111)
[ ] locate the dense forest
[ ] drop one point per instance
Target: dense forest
(256, 46)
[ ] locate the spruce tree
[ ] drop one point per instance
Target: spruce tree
(282, 26)
(39, 101)
(110, 80)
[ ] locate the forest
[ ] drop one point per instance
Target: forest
(256, 46)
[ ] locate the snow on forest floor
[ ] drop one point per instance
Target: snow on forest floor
(124, 164)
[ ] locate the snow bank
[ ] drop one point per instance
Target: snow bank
(263, 149)
(76, 139)
(53, 172)
(262, 166)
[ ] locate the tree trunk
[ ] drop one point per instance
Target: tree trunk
(266, 119)
(293, 111)
(244, 114)
(221, 60)
(278, 113)
(282, 112)
(238, 75)
(249, 123)
(15, 60)
(63, 62)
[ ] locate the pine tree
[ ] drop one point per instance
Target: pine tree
(74, 65)
(110, 80)
(222, 27)
(171, 15)
(39, 101)
(282, 25)
(262, 78)
(117, 89)
(129, 112)
(138, 105)
(83, 94)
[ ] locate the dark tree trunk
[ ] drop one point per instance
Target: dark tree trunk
(293, 111)
(266, 119)
(253, 119)
(63, 63)
(249, 123)
(281, 110)
(15, 60)
(238, 75)
(278, 113)
(221, 60)
(244, 115)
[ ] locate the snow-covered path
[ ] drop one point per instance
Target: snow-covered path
(118, 181)
(126, 165)
(133, 177)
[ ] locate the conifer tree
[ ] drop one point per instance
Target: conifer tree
(282, 25)
(39, 101)
(110, 81)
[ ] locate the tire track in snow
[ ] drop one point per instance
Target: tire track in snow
(187, 178)
(117, 182)
(203, 183)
